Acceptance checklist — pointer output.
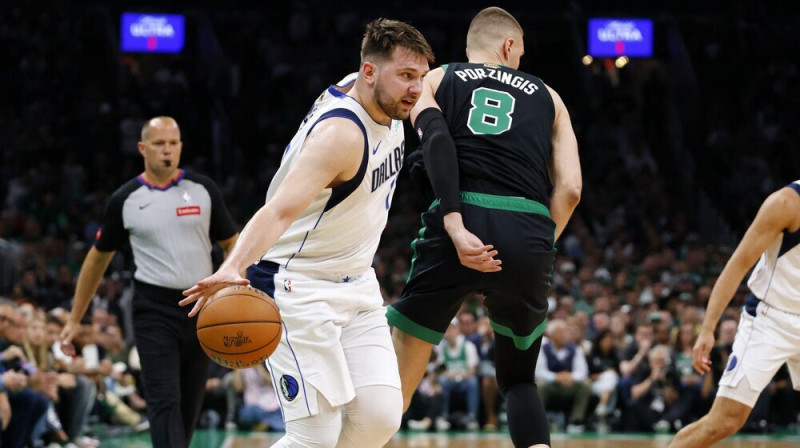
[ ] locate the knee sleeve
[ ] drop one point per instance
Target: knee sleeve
(318, 431)
(514, 366)
(372, 417)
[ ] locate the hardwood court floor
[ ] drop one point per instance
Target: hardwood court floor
(590, 440)
(222, 439)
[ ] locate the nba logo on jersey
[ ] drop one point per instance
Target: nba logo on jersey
(287, 285)
(186, 197)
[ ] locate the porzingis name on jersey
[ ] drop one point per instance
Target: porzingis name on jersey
(499, 75)
(389, 167)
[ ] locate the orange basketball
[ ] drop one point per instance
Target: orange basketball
(239, 327)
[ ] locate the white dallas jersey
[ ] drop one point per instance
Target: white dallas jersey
(776, 277)
(339, 231)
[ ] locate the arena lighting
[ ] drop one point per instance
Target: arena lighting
(151, 33)
(615, 37)
(621, 61)
(587, 60)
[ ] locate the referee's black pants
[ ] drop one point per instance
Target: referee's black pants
(174, 366)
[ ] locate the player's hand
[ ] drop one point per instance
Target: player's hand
(207, 287)
(473, 254)
(67, 335)
(702, 348)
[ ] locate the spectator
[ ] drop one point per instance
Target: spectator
(460, 360)
(490, 390)
(604, 373)
(654, 394)
(562, 374)
(20, 407)
(260, 410)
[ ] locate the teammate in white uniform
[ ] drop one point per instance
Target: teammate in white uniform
(316, 237)
(769, 329)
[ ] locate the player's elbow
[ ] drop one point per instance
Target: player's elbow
(570, 192)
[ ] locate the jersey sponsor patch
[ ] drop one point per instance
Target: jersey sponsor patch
(191, 210)
(289, 387)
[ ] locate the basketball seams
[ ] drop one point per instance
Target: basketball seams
(219, 324)
(217, 299)
(255, 293)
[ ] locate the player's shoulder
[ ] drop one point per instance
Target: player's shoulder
(782, 207)
(785, 196)
(342, 128)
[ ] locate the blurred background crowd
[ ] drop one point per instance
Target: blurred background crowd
(678, 151)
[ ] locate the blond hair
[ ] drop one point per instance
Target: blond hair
(491, 26)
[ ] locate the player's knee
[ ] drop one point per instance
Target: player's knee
(374, 417)
(382, 424)
(383, 419)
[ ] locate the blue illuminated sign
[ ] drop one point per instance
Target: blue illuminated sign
(620, 37)
(152, 33)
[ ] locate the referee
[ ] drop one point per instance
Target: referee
(170, 218)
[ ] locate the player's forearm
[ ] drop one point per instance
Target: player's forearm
(562, 203)
(723, 292)
(258, 236)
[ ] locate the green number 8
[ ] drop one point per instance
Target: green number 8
(491, 111)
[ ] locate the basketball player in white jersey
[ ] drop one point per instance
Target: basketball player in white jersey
(316, 237)
(769, 329)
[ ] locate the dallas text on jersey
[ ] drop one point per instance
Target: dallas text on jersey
(389, 167)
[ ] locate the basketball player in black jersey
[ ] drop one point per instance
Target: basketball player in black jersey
(503, 162)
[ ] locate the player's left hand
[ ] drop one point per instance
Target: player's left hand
(474, 254)
(207, 287)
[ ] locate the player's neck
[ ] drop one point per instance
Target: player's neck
(486, 58)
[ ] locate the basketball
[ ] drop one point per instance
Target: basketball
(239, 327)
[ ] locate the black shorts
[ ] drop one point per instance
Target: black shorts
(522, 232)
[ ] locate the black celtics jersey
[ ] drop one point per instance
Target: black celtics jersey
(501, 120)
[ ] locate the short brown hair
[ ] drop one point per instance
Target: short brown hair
(491, 24)
(383, 35)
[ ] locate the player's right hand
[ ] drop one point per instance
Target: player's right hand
(207, 287)
(701, 351)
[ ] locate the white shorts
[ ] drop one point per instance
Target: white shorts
(335, 340)
(763, 343)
